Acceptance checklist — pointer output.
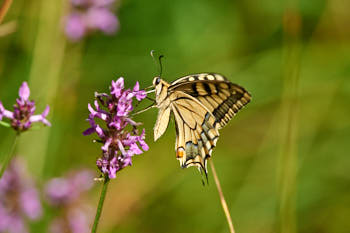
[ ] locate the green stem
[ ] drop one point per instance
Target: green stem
(100, 205)
(3, 123)
(288, 160)
(9, 156)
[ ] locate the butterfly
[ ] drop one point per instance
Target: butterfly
(201, 105)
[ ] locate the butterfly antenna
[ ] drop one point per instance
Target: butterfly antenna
(158, 63)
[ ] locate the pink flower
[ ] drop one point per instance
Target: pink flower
(19, 199)
(119, 143)
(23, 116)
(65, 193)
(102, 19)
(87, 16)
(75, 27)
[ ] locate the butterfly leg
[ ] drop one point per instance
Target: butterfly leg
(149, 98)
(147, 88)
(144, 110)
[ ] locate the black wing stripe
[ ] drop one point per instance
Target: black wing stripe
(207, 88)
(215, 101)
(195, 91)
(228, 108)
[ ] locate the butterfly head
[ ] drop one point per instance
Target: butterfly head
(161, 88)
(156, 81)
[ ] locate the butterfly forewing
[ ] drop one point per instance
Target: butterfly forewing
(198, 77)
(162, 122)
(222, 98)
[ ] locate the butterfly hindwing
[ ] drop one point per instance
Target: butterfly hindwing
(196, 135)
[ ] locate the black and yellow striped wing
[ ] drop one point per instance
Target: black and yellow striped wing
(196, 134)
(202, 104)
(222, 98)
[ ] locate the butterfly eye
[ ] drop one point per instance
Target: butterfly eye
(156, 81)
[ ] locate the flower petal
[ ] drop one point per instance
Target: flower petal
(99, 131)
(24, 91)
(95, 113)
(139, 94)
(127, 161)
(89, 131)
(5, 113)
(106, 145)
(135, 149)
(41, 117)
(75, 27)
(46, 111)
(144, 145)
(103, 19)
(30, 203)
(136, 87)
(117, 87)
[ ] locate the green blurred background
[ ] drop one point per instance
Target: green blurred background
(282, 161)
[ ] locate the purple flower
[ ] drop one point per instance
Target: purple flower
(80, 3)
(65, 190)
(75, 27)
(66, 193)
(74, 220)
(119, 143)
(102, 3)
(19, 199)
(139, 94)
(102, 19)
(117, 87)
(87, 16)
(22, 116)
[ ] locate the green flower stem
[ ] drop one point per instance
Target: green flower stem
(9, 156)
(3, 123)
(100, 204)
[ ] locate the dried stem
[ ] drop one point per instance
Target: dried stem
(100, 205)
(4, 8)
(222, 198)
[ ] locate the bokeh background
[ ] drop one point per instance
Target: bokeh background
(283, 161)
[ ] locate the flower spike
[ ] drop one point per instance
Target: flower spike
(23, 116)
(119, 143)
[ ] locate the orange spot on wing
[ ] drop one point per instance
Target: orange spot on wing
(179, 153)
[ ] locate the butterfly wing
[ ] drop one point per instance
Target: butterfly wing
(221, 97)
(201, 104)
(162, 121)
(198, 77)
(196, 134)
